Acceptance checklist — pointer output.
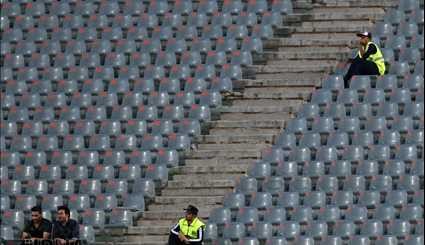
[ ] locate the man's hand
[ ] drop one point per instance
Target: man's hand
(61, 241)
(183, 238)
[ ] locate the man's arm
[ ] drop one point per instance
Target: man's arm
(200, 236)
(75, 231)
(175, 230)
(371, 50)
(25, 235)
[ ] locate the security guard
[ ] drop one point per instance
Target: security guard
(189, 230)
(369, 59)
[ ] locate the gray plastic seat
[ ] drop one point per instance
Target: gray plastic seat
(234, 231)
(287, 169)
(327, 154)
(13, 218)
(355, 183)
(327, 183)
(25, 202)
(10, 158)
(220, 216)
(340, 168)
(300, 184)
(113, 158)
(51, 202)
(261, 200)
(363, 139)
(370, 199)
(381, 183)
(302, 214)
(311, 140)
(144, 186)
(7, 232)
(120, 218)
(90, 187)
(389, 110)
(129, 171)
(247, 215)
(288, 199)
(368, 168)
(211, 232)
(116, 186)
(36, 187)
(103, 172)
(275, 215)
(24, 172)
(77, 172)
(63, 186)
(246, 185)
(262, 231)
(410, 55)
(317, 230)
(345, 229)
(412, 213)
(394, 168)
(342, 198)
(140, 157)
(300, 154)
(289, 229)
(338, 140)
(400, 228)
(32, 129)
(415, 240)
(252, 44)
(314, 169)
(396, 198)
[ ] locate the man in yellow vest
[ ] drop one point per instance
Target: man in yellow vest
(369, 59)
(189, 230)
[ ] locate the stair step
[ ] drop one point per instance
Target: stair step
(258, 69)
(248, 123)
(350, 23)
(235, 168)
(236, 146)
(150, 229)
(256, 138)
(184, 200)
(222, 131)
(300, 43)
(177, 210)
(196, 192)
(289, 84)
(164, 222)
(273, 94)
(212, 162)
(215, 176)
(203, 183)
(175, 214)
(359, 3)
(307, 55)
(150, 239)
(257, 116)
(256, 109)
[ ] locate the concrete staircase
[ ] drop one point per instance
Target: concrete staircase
(314, 39)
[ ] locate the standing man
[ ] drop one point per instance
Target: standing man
(369, 59)
(65, 229)
(38, 228)
(189, 230)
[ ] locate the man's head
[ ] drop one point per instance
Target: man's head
(365, 37)
(36, 214)
(191, 212)
(63, 214)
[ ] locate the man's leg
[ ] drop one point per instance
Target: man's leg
(360, 67)
(174, 240)
(353, 70)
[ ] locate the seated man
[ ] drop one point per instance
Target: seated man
(369, 59)
(189, 230)
(38, 228)
(65, 229)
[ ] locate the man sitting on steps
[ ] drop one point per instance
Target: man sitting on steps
(189, 230)
(369, 59)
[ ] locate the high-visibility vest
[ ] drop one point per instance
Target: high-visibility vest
(376, 58)
(191, 230)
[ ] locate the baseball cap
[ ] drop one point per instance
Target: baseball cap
(191, 209)
(364, 34)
